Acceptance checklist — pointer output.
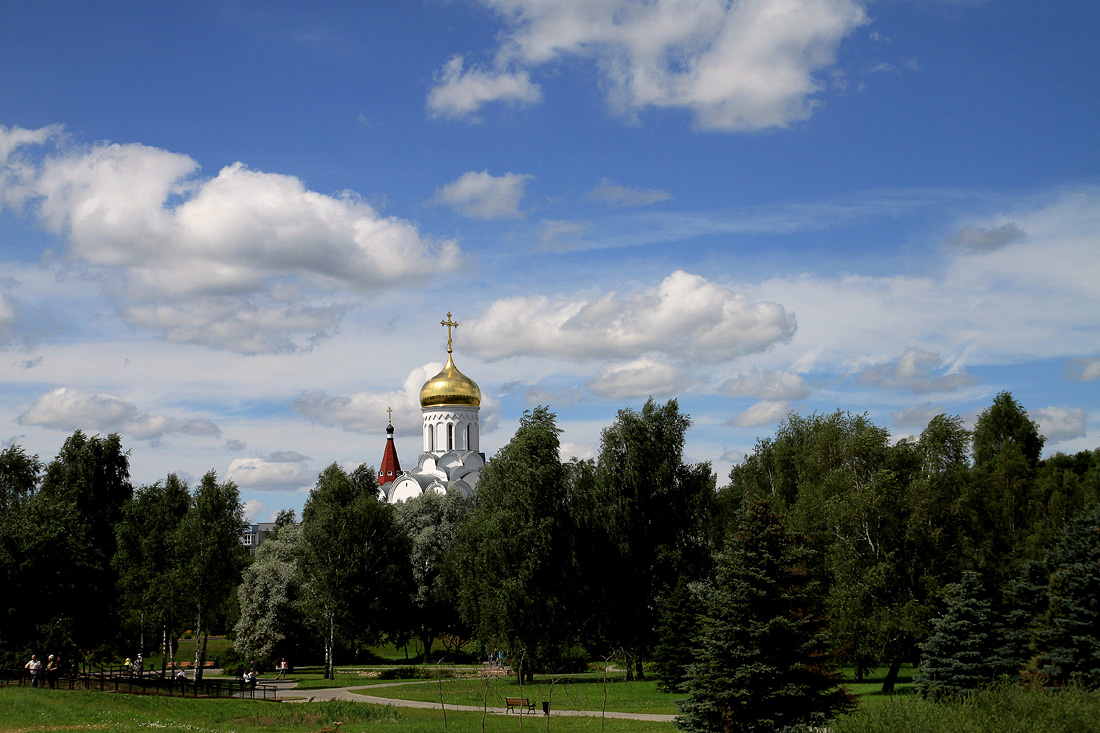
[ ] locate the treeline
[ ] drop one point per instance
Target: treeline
(635, 554)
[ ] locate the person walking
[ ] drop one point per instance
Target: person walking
(282, 669)
(35, 668)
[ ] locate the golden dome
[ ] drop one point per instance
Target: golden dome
(450, 387)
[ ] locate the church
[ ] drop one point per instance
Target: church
(450, 458)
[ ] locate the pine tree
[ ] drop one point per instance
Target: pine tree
(1069, 633)
(961, 654)
(762, 659)
(678, 626)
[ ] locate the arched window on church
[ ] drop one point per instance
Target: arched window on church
(431, 437)
(450, 436)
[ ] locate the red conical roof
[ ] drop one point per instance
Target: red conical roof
(391, 467)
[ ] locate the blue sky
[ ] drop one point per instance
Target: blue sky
(228, 231)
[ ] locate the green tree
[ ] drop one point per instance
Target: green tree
(763, 659)
(676, 631)
(270, 617)
(69, 541)
(514, 550)
(1068, 633)
(650, 511)
(210, 554)
(961, 654)
(353, 558)
(19, 475)
(146, 560)
(1001, 505)
(431, 522)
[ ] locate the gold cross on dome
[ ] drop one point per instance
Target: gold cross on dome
(389, 411)
(449, 324)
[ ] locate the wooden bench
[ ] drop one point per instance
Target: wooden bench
(518, 702)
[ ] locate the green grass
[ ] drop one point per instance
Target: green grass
(23, 709)
(1004, 709)
(870, 690)
(576, 692)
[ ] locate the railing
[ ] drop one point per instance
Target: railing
(152, 684)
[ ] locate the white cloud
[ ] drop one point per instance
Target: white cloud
(568, 450)
(736, 66)
(913, 371)
(734, 456)
(281, 471)
(366, 412)
(71, 409)
(779, 384)
(764, 412)
(256, 511)
(979, 239)
(686, 317)
(460, 93)
(481, 195)
(638, 378)
(613, 194)
(1060, 423)
(916, 416)
(8, 313)
(560, 235)
(1084, 369)
(245, 261)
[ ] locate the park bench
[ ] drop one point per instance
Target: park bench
(518, 702)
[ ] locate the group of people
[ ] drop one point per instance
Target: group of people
(43, 674)
(135, 667)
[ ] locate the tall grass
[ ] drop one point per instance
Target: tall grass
(1004, 708)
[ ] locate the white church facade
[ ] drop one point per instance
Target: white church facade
(451, 456)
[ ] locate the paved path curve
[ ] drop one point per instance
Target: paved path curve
(359, 694)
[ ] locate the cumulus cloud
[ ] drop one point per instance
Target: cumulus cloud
(736, 66)
(1060, 423)
(684, 317)
(568, 450)
(637, 378)
(70, 409)
(481, 195)
(256, 511)
(779, 384)
(459, 93)
(914, 371)
(1083, 370)
(612, 194)
(366, 412)
(916, 416)
(281, 471)
(764, 412)
(979, 239)
(246, 261)
(734, 456)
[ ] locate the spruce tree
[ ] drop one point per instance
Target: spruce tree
(1069, 631)
(762, 662)
(676, 631)
(962, 652)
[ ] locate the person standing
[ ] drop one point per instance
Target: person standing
(282, 669)
(35, 668)
(51, 671)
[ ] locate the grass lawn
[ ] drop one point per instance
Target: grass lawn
(870, 690)
(575, 692)
(24, 709)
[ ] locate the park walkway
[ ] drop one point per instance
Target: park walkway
(358, 694)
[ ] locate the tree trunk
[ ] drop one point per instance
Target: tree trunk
(891, 677)
(641, 670)
(330, 643)
(163, 649)
(198, 644)
(205, 636)
(629, 664)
